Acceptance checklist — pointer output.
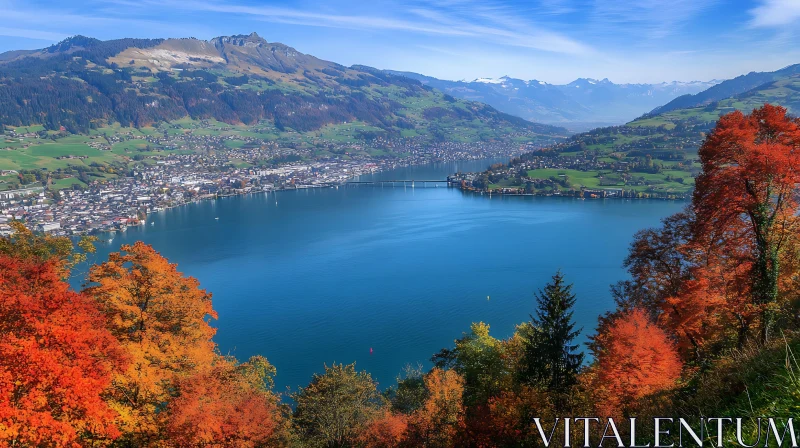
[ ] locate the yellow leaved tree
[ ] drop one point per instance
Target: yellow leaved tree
(161, 319)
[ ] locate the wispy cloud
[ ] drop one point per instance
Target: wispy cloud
(652, 19)
(54, 24)
(435, 49)
(496, 24)
(556, 7)
(452, 19)
(32, 34)
(775, 13)
(552, 40)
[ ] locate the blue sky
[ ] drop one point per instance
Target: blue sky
(550, 40)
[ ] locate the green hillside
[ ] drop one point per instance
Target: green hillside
(654, 155)
(83, 84)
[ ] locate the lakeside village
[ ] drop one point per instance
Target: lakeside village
(513, 180)
(173, 179)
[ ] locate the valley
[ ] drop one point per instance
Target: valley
(579, 106)
(448, 224)
(96, 134)
(653, 156)
(237, 114)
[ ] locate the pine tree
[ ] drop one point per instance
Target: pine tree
(550, 358)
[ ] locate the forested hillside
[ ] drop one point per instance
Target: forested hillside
(83, 83)
(728, 89)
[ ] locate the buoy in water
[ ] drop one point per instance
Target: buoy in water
(370, 350)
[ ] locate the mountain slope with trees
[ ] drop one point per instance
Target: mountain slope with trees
(729, 88)
(654, 155)
(83, 83)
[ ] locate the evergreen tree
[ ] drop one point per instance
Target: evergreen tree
(550, 358)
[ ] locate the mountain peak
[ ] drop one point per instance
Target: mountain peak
(76, 41)
(488, 80)
(240, 40)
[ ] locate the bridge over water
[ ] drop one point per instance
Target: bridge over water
(400, 182)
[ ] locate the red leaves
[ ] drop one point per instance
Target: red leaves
(56, 358)
(635, 358)
(749, 161)
(717, 272)
(221, 407)
(745, 203)
(386, 431)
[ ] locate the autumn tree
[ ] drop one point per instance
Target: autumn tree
(161, 319)
(550, 356)
(668, 281)
(56, 358)
(336, 406)
(746, 193)
(633, 358)
(479, 359)
(229, 404)
(713, 309)
(437, 423)
(24, 244)
(388, 430)
(658, 262)
(509, 420)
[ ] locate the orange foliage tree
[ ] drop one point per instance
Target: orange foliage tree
(633, 358)
(227, 405)
(438, 421)
(713, 305)
(508, 420)
(746, 197)
(56, 358)
(385, 431)
(161, 318)
(716, 272)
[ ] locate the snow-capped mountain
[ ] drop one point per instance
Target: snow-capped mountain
(581, 104)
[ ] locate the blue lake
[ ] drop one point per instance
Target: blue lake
(318, 276)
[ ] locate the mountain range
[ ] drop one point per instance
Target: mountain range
(730, 88)
(656, 154)
(580, 105)
(83, 83)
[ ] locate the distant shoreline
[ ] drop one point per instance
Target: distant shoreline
(486, 193)
(450, 184)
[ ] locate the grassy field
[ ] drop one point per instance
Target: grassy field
(45, 155)
(345, 132)
(60, 184)
(660, 182)
(588, 179)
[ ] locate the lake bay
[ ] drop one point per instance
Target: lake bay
(316, 276)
